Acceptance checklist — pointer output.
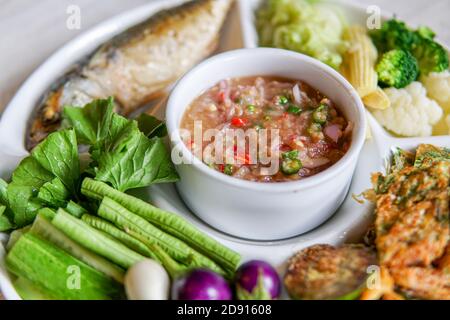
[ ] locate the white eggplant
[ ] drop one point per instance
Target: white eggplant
(147, 280)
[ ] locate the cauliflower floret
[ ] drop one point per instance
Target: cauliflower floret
(438, 88)
(411, 114)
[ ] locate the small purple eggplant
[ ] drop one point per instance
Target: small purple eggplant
(201, 284)
(257, 280)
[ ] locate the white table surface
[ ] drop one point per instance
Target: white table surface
(31, 30)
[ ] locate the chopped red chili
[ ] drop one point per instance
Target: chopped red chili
(239, 122)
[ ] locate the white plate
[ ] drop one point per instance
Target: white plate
(349, 222)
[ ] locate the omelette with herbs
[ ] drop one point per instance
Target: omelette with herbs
(412, 222)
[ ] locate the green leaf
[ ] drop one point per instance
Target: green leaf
(54, 193)
(89, 122)
(48, 177)
(5, 212)
(31, 173)
(96, 124)
(58, 154)
(136, 161)
(27, 179)
(23, 204)
(5, 224)
(125, 153)
(3, 192)
(151, 126)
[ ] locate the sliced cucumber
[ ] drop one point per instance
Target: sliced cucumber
(34, 259)
(15, 236)
(47, 231)
(29, 291)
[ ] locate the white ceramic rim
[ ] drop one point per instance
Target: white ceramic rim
(329, 173)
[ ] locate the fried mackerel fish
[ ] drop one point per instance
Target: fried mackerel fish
(412, 223)
(326, 272)
(137, 65)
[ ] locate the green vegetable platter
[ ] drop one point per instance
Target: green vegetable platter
(99, 195)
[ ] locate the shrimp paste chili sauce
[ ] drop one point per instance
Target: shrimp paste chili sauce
(313, 134)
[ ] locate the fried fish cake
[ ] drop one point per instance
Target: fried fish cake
(326, 272)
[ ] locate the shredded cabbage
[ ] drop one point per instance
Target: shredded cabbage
(304, 26)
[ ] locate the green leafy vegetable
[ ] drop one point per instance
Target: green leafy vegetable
(93, 122)
(5, 222)
(27, 179)
(3, 192)
(54, 193)
(134, 162)
(151, 126)
(58, 154)
(120, 154)
(48, 177)
(31, 173)
(23, 204)
(123, 155)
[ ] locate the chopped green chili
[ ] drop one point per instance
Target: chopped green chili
(293, 109)
(291, 166)
(320, 115)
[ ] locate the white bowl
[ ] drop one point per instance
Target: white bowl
(254, 210)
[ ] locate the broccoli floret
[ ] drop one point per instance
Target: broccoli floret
(425, 32)
(397, 68)
(432, 57)
(394, 34)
